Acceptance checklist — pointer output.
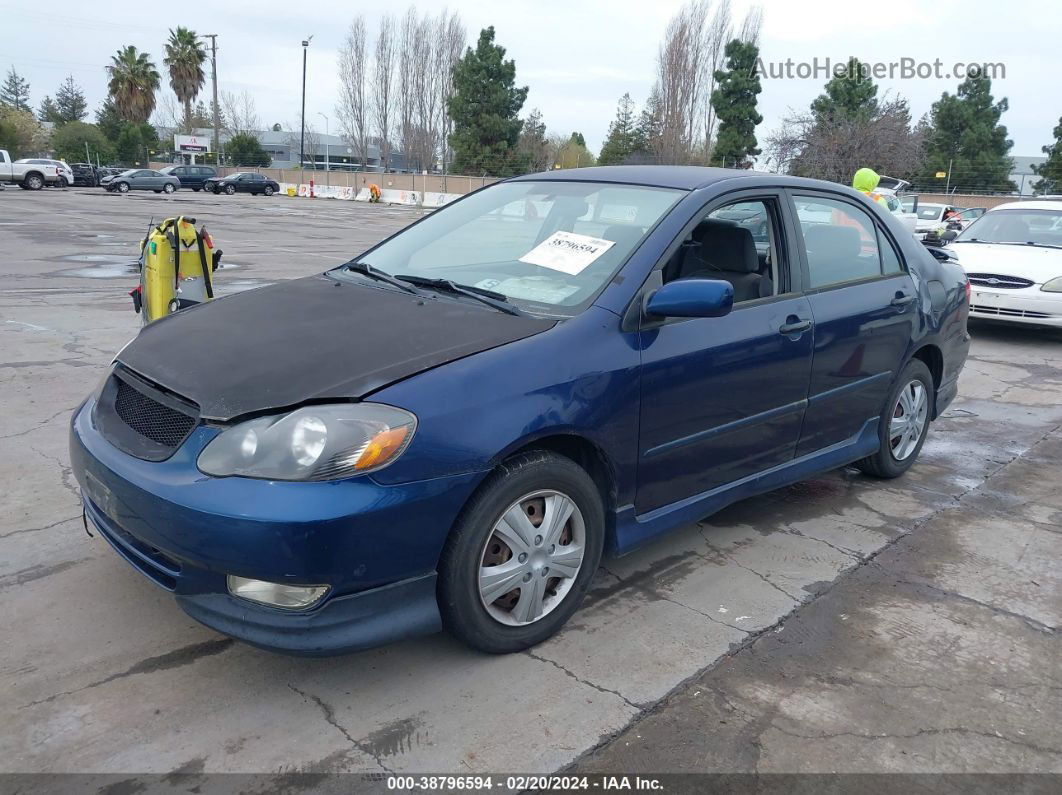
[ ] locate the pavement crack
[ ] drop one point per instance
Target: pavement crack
(921, 733)
(599, 688)
(741, 565)
(1039, 626)
(186, 655)
(40, 424)
(36, 529)
(330, 717)
(709, 616)
(850, 553)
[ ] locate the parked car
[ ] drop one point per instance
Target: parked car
(243, 182)
(931, 218)
(85, 175)
(66, 174)
(29, 176)
(191, 176)
(141, 179)
(452, 428)
(1013, 257)
(970, 214)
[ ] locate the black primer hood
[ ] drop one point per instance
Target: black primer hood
(311, 339)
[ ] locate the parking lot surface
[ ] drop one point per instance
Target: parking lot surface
(841, 623)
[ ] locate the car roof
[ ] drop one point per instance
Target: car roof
(1040, 204)
(680, 177)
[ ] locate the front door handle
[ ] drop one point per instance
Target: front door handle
(794, 325)
(901, 300)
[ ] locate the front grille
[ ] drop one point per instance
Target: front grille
(998, 281)
(161, 424)
(1003, 312)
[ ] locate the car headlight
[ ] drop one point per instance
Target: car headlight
(312, 443)
(1053, 286)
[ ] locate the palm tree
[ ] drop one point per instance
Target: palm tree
(184, 59)
(133, 84)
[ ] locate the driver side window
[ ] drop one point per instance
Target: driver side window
(738, 243)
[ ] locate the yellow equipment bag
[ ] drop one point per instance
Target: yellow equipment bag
(177, 263)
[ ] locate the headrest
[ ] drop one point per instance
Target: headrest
(624, 236)
(727, 247)
(833, 242)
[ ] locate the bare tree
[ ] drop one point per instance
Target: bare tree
(453, 45)
(353, 109)
(240, 113)
(833, 148)
(383, 82)
(310, 141)
(407, 65)
(717, 35)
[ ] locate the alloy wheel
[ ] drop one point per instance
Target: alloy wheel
(531, 558)
(909, 417)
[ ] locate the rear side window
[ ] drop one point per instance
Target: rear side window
(841, 242)
(890, 258)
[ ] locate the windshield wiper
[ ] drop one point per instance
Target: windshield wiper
(488, 297)
(365, 269)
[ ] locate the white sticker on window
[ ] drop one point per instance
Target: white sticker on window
(567, 252)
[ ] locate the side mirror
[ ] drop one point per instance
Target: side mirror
(691, 298)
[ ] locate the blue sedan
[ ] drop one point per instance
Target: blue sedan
(450, 430)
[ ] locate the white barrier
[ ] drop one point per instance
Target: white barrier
(409, 198)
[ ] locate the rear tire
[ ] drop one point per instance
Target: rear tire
(536, 485)
(168, 188)
(196, 190)
(904, 423)
(33, 182)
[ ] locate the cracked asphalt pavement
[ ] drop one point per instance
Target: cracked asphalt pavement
(843, 623)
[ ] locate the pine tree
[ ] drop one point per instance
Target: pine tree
(647, 130)
(1050, 171)
(734, 101)
(15, 91)
(109, 120)
(849, 96)
(484, 109)
(621, 140)
(48, 111)
(966, 136)
(70, 102)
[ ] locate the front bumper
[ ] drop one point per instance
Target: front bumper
(376, 546)
(1029, 305)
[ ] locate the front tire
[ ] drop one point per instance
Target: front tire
(122, 187)
(230, 189)
(522, 554)
(904, 423)
(268, 190)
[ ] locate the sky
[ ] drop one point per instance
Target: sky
(577, 56)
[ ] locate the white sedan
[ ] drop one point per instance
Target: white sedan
(1013, 257)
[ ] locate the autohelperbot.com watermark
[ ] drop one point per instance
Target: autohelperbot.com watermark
(901, 69)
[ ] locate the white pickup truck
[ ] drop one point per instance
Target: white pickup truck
(29, 176)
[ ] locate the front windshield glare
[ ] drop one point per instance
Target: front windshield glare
(1039, 227)
(550, 245)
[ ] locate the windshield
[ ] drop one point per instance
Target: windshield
(1041, 227)
(930, 212)
(546, 246)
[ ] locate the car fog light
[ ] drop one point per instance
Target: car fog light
(276, 594)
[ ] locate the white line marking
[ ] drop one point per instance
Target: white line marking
(28, 325)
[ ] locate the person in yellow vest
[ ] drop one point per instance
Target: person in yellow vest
(866, 181)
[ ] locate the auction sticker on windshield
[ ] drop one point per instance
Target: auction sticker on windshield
(567, 252)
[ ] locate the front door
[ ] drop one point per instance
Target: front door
(723, 398)
(863, 303)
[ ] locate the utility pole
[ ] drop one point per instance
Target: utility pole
(302, 129)
(214, 79)
(947, 187)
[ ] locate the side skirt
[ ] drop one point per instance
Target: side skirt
(633, 530)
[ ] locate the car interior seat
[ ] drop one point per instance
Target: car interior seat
(723, 250)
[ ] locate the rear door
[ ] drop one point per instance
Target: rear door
(864, 305)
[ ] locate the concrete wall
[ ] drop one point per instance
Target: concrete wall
(965, 200)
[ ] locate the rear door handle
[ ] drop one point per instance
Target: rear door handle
(902, 300)
(795, 327)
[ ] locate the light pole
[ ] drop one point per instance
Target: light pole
(302, 131)
(326, 147)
